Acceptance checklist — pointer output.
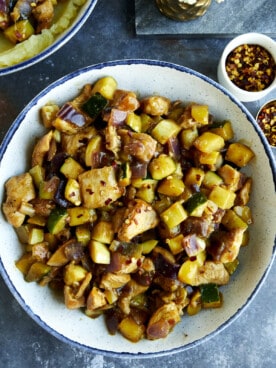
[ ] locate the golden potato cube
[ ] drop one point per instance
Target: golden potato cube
(161, 166)
(187, 137)
(83, 234)
(71, 168)
(99, 252)
(209, 142)
(80, 215)
(106, 87)
(232, 221)
(224, 129)
(239, 154)
(176, 244)
(174, 215)
(208, 158)
(131, 330)
(103, 232)
(171, 186)
(165, 130)
(134, 121)
(72, 192)
(200, 113)
(194, 177)
(74, 274)
(224, 198)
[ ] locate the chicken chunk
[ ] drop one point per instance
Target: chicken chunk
(99, 187)
(162, 321)
(43, 14)
(41, 149)
(138, 218)
(19, 189)
(211, 273)
(139, 145)
(72, 143)
(125, 100)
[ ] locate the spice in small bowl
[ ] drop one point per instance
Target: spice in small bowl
(266, 118)
(251, 67)
(247, 67)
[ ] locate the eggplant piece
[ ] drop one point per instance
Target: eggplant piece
(4, 13)
(22, 10)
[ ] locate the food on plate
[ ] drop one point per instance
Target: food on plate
(251, 67)
(135, 208)
(266, 119)
(28, 27)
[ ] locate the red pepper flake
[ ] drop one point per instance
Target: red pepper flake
(109, 200)
(89, 191)
(103, 183)
(251, 67)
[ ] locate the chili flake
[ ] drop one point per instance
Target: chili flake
(267, 121)
(251, 67)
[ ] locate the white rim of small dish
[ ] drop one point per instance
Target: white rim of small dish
(61, 40)
(247, 38)
(272, 164)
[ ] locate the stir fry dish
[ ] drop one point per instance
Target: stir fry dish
(134, 208)
(22, 18)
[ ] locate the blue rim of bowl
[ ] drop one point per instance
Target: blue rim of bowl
(269, 154)
(62, 39)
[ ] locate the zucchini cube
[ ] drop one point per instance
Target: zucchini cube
(165, 130)
(209, 142)
(174, 215)
(223, 198)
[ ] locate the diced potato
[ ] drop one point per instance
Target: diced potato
(74, 274)
(106, 87)
(176, 244)
(165, 130)
(224, 198)
(194, 177)
(188, 271)
(80, 215)
(161, 166)
(209, 142)
(223, 129)
(211, 179)
(232, 221)
(195, 303)
(171, 186)
(99, 252)
(72, 192)
(200, 113)
(187, 137)
(174, 215)
(131, 330)
(93, 148)
(37, 271)
(208, 158)
(71, 169)
(230, 176)
(36, 235)
(103, 232)
(48, 113)
(239, 154)
(83, 234)
(134, 121)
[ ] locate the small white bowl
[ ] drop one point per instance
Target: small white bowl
(177, 83)
(252, 39)
(39, 47)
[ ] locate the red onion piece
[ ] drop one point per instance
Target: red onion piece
(117, 117)
(69, 113)
(139, 169)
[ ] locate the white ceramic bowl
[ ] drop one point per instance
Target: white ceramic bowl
(176, 82)
(252, 39)
(55, 39)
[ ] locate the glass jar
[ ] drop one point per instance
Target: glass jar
(183, 10)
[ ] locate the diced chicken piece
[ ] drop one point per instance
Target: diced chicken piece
(84, 284)
(22, 9)
(138, 218)
(113, 281)
(162, 321)
(43, 13)
(122, 264)
(99, 187)
(225, 245)
(113, 140)
(139, 145)
(70, 299)
(96, 299)
(155, 105)
(130, 290)
(125, 100)
(19, 189)
(71, 144)
(211, 273)
(41, 149)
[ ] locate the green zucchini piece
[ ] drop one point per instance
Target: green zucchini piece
(196, 204)
(125, 174)
(95, 105)
(210, 296)
(57, 220)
